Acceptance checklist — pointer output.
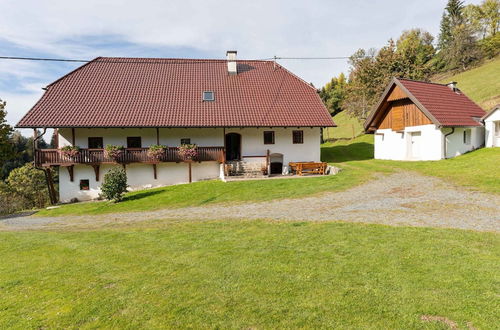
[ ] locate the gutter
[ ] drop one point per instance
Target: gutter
(445, 144)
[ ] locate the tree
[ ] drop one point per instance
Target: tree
(23, 153)
(452, 17)
(491, 15)
(333, 94)
(415, 51)
(6, 150)
(114, 185)
(28, 186)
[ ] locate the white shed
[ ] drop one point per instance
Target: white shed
(492, 127)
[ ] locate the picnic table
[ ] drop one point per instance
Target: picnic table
(301, 168)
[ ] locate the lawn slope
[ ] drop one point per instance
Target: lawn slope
(481, 84)
(347, 127)
(248, 274)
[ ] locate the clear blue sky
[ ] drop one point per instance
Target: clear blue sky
(195, 29)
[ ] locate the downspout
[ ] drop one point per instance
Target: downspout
(445, 144)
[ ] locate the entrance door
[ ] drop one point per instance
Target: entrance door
(415, 145)
(233, 146)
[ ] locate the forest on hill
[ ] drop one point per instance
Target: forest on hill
(468, 37)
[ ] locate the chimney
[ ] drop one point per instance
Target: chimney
(452, 85)
(231, 62)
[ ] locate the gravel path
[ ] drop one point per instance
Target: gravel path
(403, 198)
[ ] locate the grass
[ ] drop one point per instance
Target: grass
(474, 170)
(481, 84)
(248, 274)
(347, 127)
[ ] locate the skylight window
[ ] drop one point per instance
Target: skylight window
(208, 96)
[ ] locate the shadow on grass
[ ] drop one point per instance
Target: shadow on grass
(345, 153)
(142, 195)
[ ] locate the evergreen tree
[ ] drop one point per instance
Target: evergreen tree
(452, 17)
(333, 94)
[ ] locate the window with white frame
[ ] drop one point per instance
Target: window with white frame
(467, 136)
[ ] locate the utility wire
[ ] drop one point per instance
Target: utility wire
(151, 61)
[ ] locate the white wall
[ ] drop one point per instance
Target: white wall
(141, 176)
(171, 137)
(252, 143)
(396, 146)
(489, 124)
(455, 145)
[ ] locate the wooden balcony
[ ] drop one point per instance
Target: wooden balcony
(53, 157)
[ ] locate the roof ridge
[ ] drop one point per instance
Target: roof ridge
(423, 82)
(118, 58)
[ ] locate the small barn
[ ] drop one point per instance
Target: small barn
(416, 120)
(492, 127)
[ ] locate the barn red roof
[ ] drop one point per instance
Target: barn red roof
(158, 92)
(444, 106)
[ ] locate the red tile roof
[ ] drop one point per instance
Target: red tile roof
(443, 106)
(152, 92)
(448, 107)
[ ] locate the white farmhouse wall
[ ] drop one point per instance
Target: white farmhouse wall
(394, 145)
(455, 145)
(141, 176)
(252, 144)
(492, 137)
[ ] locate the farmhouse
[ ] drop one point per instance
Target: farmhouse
(241, 115)
(417, 120)
(492, 127)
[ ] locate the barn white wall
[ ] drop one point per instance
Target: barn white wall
(396, 145)
(492, 138)
(140, 176)
(455, 142)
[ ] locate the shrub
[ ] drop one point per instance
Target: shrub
(113, 152)
(114, 185)
(156, 151)
(70, 151)
(25, 188)
(188, 151)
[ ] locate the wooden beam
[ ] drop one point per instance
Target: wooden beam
(71, 172)
(154, 171)
(190, 172)
(73, 136)
(50, 186)
(96, 171)
(157, 137)
(35, 139)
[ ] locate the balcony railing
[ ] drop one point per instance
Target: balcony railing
(49, 157)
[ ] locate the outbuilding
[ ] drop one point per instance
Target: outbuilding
(417, 120)
(492, 127)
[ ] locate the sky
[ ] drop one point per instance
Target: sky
(257, 29)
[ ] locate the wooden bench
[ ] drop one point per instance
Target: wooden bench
(301, 168)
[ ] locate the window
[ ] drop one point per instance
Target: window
(467, 135)
(134, 142)
(497, 128)
(268, 137)
(95, 143)
(186, 141)
(298, 137)
(84, 184)
(208, 96)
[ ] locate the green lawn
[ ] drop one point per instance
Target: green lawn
(473, 170)
(248, 274)
(481, 84)
(347, 127)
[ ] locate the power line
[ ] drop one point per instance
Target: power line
(151, 61)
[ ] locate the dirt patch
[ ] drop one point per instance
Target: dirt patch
(442, 319)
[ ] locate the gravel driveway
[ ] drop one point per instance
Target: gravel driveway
(403, 198)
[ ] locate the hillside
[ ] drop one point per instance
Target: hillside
(347, 127)
(481, 84)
